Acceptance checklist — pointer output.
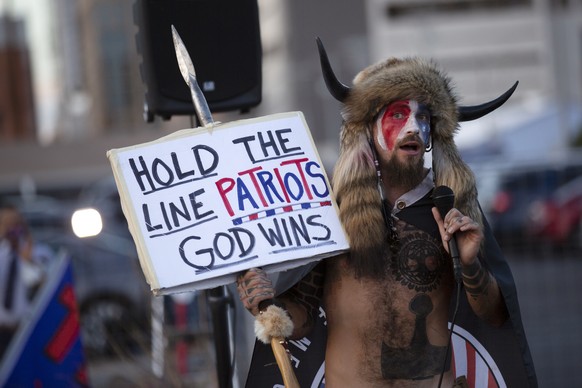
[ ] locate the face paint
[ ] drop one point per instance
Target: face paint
(400, 119)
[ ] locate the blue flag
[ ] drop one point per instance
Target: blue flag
(46, 350)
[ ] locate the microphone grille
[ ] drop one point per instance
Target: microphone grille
(444, 199)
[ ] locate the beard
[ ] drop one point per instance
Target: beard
(405, 174)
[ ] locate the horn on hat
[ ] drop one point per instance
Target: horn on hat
(468, 113)
(337, 89)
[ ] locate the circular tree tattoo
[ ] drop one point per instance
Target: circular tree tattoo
(420, 262)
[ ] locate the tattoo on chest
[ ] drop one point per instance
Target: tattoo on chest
(421, 261)
(420, 359)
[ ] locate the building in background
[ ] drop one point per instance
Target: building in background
(17, 113)
(102, 89)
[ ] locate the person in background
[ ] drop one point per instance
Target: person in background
(20, 273)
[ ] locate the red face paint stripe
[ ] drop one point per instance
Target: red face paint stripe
(394, 119)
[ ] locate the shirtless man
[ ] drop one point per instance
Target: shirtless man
(388, 300)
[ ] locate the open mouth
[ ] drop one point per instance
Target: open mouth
(411, 147)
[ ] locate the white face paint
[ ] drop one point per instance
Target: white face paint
(400, 119)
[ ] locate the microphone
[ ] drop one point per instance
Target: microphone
(444, 198)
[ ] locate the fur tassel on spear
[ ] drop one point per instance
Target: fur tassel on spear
(272, 326)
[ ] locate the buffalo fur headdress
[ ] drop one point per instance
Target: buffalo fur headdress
(355, 180)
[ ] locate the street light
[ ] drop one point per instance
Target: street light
(86, 222)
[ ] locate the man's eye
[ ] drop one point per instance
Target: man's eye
(398, 115)
(423, 117)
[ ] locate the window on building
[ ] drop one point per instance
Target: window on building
(404, 9)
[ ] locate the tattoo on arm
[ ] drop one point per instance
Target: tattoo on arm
(484, 294)
(476, 280)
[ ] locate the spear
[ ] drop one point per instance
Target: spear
(273, 325)
(189, 74)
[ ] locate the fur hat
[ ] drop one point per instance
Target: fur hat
(355, 178)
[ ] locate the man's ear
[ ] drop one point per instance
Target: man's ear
(428, 146)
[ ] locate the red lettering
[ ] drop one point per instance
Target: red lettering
(282, 185)
(225, 185)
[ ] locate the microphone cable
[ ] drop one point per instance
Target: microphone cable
(458, 297)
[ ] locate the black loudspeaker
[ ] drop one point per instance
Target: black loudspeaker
(223, 40)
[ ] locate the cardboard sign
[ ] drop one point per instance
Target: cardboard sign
(204, 204)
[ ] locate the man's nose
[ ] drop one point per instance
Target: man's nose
(412, 127)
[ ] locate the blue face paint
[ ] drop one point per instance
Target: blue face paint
(423, 121)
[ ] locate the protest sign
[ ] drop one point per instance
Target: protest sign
(204, 204)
